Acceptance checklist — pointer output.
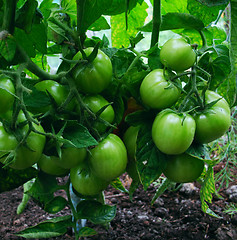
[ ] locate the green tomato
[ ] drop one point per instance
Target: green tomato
(214, 122)
(85, 182)
(183, 168)
(130, 141)
(96, 75)
(6, 98)
(95, 103)
(48, 164)
(173, 133)
(177, 54)
(71, 157)
(25, 156)
(108, 159)
(156, 92)
(57, 91)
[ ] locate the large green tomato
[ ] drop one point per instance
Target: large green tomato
(25, 156)
(57, 91)
(130, 141)
(48, 164)
(71, 157)
(173, 133)
(214, 122)
(6, 98)
(156, 92)
(96, 75)
(85, 182)
(95, 103)
(108, 159)
(183, 168)
(177, 54)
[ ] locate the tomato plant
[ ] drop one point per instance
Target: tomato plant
(183, 168)
(85, 182)
(213, 122)
(156, 92)
(173, 133)
(96, 103)
(7, 90)
(177, 54)
(108, 159)
(96, 75)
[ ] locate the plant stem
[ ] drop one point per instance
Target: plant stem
(156, 22)
(9, 16)
(204, 40)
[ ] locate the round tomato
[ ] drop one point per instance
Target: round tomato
(177, 54)
(214, 122)
(95, 103)
(85, 182)
(48, 164)
(183, 168)
(108, 159)
(6, 98)
(130, 141)
(96, 75)
(25, 156)
(71, 157)
(57, 91)
(156, 92)
(173, 133)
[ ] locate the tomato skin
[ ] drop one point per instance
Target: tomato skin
(108, 159)
(212, 123)
(183, 168)
(71, 157)
(48, 164)
(96, 76)
(177, 54)
(156, 92)
(85, 182)
(130, 139)
(56, 90)
(6, 99)
(95, 103)
(25, 156)
(173, 133)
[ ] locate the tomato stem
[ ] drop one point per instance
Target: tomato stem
(9, 15)
(156, 22)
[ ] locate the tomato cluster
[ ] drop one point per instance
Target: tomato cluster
(174, 130)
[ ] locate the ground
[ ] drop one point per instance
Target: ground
(174, 215)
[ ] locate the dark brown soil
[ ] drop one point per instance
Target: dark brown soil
(175, 215)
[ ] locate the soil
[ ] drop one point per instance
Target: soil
(174, 215)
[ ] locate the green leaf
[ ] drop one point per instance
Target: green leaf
(149, 159)
(211, 3)
(100, 24)
(171, 21)
(198, 150)
(173, 6)
(7, 47)
(50, 228)
(56, 205)
(11, 178)
(207, 189)
(48, 6)
(117, 184)
(136, 19)
(204, 13)
(86, 232)
(95, 211)
(79, 135)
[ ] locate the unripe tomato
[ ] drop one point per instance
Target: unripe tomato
(183, 168)
(173, 133)
(108, 159)
(214, 122)
(57, 91)
(85, 182)
(177, 54)
(95, 103)
(6, 98)
(96, 75)
(48, 164)
(156, 92)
